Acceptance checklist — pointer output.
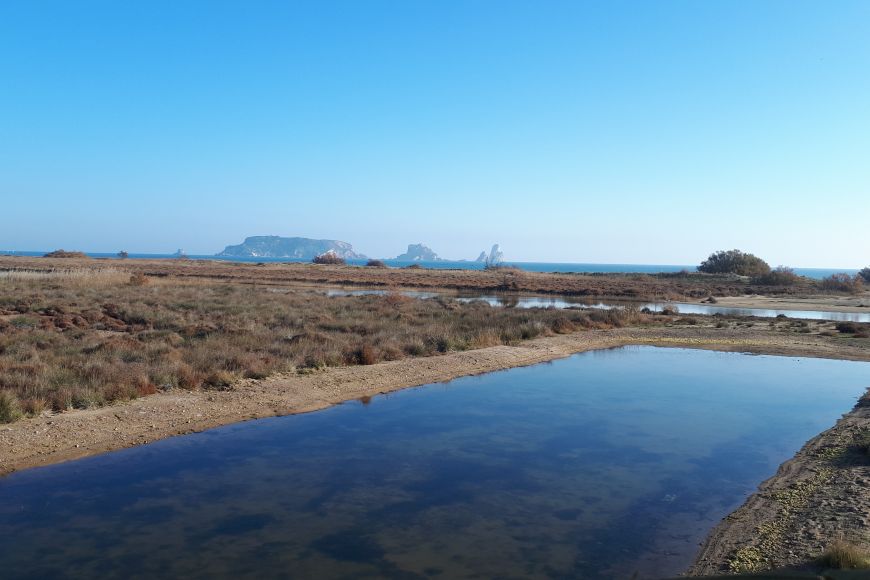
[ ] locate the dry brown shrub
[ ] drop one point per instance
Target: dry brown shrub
(139, 279)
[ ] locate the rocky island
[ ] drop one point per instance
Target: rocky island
(296, 248)
(418, 253)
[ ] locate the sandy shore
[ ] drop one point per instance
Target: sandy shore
(845, 303)
(51, 439)
(820, 495)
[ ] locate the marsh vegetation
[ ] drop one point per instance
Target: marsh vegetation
(81, 338)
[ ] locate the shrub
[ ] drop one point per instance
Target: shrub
(843, 555)
(862, 442)
(65, 254)
(781, 276)
(329, 257)
(139, 279)
(865, 274)
(9, 408)
(123, 254)
(414, 267)
(842, 282)
(376, 264)
(734, 262)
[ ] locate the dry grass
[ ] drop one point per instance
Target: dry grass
(843, 555)
(70, 340)
(78, 277)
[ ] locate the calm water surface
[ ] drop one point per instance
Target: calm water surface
(595, 466)
(532, 301)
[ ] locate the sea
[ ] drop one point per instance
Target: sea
(561, 267)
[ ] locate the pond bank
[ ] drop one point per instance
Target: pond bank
(820, 495)
(50, 439)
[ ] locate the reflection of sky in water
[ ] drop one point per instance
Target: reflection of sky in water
(528, 301)
(593, 466)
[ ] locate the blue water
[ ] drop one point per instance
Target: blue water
(817, 273)
(595, 466)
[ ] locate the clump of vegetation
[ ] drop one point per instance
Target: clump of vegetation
(862, 442)
(734, 262)
(843, 555)
(123, 254)
(139, 279)
(842, 282)
(848, 327)
(328, 258)
(780, 276)
(865, 274)
(10, 409)
(414, 267)
(376, 264)
(65, 254)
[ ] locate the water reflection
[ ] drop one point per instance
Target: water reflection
(595, 466)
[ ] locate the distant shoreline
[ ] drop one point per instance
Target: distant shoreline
(559, 267)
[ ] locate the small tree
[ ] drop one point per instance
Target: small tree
(865, 274)
(734, 262)
(123, 254)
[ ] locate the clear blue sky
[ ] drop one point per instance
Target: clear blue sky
(606, 131)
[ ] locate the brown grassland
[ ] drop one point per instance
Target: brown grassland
(80, 338)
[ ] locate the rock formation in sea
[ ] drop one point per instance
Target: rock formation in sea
(418, 253)
(296, 248)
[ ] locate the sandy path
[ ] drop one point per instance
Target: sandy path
(50, 439)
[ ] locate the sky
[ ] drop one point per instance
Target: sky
(600, 131)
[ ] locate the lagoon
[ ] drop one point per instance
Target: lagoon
(600, 465)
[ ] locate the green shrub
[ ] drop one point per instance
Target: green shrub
(734, 262)
(865, 274)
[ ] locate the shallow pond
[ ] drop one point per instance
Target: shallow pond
(594, 466)
(539, 301)
(682, 307)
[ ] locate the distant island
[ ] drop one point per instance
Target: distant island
(418, 253)
(296, 248)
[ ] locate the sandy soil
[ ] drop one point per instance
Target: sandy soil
(859, 303)
(820, 495)
(50, 439)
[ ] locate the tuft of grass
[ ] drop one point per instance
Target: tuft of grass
(843, 555)
(10, 410)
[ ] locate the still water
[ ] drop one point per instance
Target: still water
(538, 301)
(683, 307)
(595, 466)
